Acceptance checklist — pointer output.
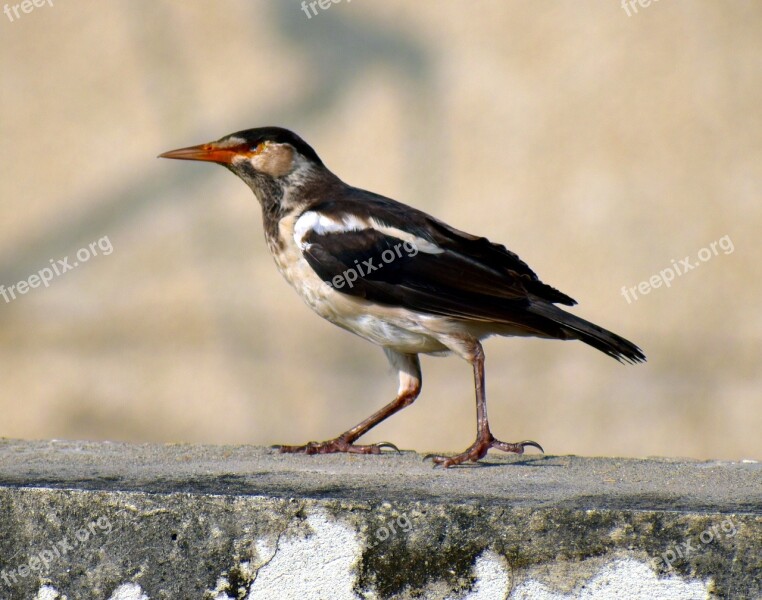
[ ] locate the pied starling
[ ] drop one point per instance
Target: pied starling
(395, 276)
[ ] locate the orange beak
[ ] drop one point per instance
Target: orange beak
(210, 152)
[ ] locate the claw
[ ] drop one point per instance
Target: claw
(430, 456)
(439, 461)
(533, 444)
(436, 459)
(381, 445)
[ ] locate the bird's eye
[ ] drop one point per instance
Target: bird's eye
(260, 147)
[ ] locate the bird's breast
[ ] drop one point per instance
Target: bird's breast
(386, 326)
(295, 269)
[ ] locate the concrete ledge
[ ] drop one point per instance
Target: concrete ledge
(127, 522)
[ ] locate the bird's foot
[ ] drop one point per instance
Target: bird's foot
(338, 444)
(479, 450)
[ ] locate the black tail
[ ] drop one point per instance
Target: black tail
(597, 337)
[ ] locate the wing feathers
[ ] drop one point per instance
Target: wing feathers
(369, 250)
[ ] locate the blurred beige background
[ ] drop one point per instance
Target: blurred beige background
(598, 146)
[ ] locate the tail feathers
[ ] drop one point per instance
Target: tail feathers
(607, 342)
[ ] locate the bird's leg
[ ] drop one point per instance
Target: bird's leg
(484, 438)
(409, 369)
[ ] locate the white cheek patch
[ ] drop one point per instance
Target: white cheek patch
(322, 224)
(274, 160)
(255, 161)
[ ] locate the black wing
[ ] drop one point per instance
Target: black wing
(407, 258)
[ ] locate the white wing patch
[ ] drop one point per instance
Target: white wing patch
(322, 224)
(421, 244)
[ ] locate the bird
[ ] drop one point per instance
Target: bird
(395, 276)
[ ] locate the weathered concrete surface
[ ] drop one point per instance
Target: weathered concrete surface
(126, 522)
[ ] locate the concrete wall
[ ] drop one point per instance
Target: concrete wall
(120, 522)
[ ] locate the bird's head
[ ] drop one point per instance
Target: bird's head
(271, 160)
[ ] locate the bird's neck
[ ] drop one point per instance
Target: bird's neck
(291, 194)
